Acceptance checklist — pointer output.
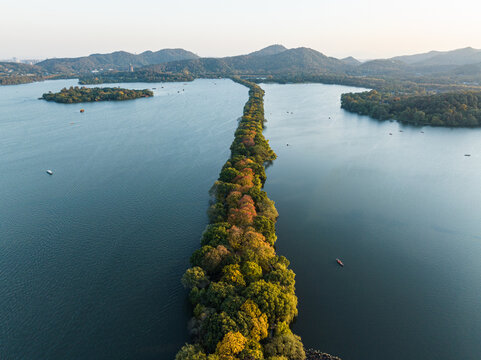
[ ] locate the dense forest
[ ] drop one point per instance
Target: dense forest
(83, 94)
(442, 109)
(242, 293)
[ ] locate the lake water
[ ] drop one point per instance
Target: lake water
(91, 257)
(403, 212)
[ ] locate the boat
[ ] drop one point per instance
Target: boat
(82, 110)
(339, 262)
(50, 172)
(467, 154)
(390, 133)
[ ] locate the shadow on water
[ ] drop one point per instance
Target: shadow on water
(92, 256)
(402, 212)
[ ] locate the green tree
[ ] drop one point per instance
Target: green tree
(288, 345)
(195, 277)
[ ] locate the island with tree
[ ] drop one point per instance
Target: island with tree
(77, 94)
(452, 109)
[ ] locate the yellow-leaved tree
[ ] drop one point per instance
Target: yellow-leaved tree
(232, 344)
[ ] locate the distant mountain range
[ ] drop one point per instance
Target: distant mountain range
(462, 64)
(277, 59)
(274, 59)
(458, 57)
(119, 60)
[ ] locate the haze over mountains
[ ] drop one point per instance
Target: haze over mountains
(119, 60)
(277, 59)
(464, 64)
(455, 57)
(272, 60)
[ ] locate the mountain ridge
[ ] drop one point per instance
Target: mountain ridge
(117, 60)
(456, 57)
(300, 60)
(269, 50)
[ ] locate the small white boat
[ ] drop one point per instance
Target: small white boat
(50, 172)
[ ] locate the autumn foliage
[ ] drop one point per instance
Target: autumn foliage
(242, 292)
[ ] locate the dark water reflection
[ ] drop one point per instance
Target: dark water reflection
(404, 214)
(91, 257)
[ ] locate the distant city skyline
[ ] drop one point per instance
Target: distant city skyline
(214, 28)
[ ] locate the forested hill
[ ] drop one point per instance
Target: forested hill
(458, 66)
(270, 50)
(17, 73)
(434, 58)
(119, 60)
(299, 60)
(20, 69)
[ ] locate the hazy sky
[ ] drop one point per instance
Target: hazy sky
(364, 29)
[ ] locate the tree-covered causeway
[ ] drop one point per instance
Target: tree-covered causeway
(242, 293)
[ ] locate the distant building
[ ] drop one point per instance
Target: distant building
(131, 68)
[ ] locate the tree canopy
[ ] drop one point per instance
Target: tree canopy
(83, 94)
(243, 294)
(443, 109)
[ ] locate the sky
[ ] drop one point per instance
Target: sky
(365, 29)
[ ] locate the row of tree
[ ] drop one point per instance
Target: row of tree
(453, 109)
(83, 94)
(243, 294)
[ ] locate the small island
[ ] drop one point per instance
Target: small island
(77, 94)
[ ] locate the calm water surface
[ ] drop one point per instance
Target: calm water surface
(91, 257)
(404, 214)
